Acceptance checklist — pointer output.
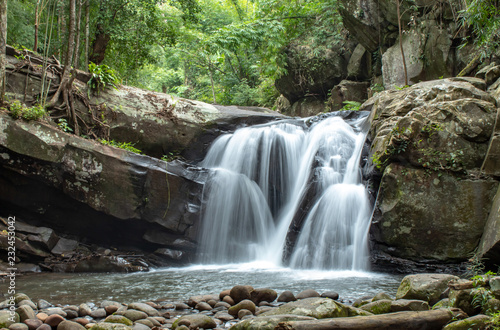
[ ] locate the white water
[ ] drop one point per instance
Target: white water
(260, 177)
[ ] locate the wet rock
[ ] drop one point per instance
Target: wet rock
(5, 319)
(381, 295)
(224, 316)
(84, 310)
(145, 322)
(203, 306)
(64, 246)
(81, 320)
(382, 306)
(241, 292)
(54, 320)
(443, 303)
(154, 321)
(18, 326)
(134, 315)
(139, 326)
(43, 304)
(244, 312)
(409, 305)
(42, 316)
(228, 300)
(27, 303)
(427, 287)
(99, 313)
(110, 326)
(314, 307)
(222, 304)
(71, 314)
(268, 322)
(224, 293)
(472, 323)
(260, 295)
(262, 309)
(309, 293)
(25, 312)
(286, 296)
(18, 297)
(330, 294)
(353, 311)
(69, 325)
(144, 308)
(195, 321)
(118, 319)
(33, 323)
(181, 306)
(111, 309)
(244, 304)
(44, 327)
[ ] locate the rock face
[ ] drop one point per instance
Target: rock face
(430, 141)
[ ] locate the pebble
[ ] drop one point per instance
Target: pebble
(181, 306)
(98, 313)
(43, 304)
(134, 315)
(309, 293)
(54, 320)
(330, 294)
(28, 303)
(84, 310)
(18, 326)
(42, 316)
(203, 306)
(33, 323)
(44, 327)
(70, 325)
(286, 296)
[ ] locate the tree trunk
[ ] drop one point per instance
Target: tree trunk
(76, 60)
(62, 31)
(87, 34)
(99, 46)
(3, 41)
(429, 320)
(401, 42)
(212, 80)
(37, 8)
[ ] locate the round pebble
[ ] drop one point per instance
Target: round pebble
(42, 316)
(18, 326)
(33, 323)
(54, 320)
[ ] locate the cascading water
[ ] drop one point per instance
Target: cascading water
(262, 175)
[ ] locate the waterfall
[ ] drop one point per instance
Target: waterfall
(268, 178)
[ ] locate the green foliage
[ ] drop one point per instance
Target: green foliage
(18, 110)
(63, 125)
(170, 156)
(102, 76)
(351, 105)
(129, 146)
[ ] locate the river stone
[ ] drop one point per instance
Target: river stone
(145, 322)
(244, 304)
(381, 295)
(55, 310)
(18, 297)
(111, 309)
(110, 326)
(203, 306)
(42, 316)
(139, 326)
(315, 307)
(25, 312)
(228, 300)
(144, 308)
(82, 320)
(222, 304)
(71, 314)
(134, 315)
(409, 305)
(244, 312)
(54, 320)
(443, 303)
(353, 311)
(268, 322)
(84, 310)
(27, 303)
(44, 327)
(309, 293)
(33, 323)
(181, 306)
(287, 296)
(98, 313)
(330, 294)
(472, 323)
(195, 321)
(463, 299)
(18, 326)
(260, 295)
(43, 304)
(489, 246)
(382, 306)
(241, 292)
(118, 319)
(70, 325)
(5, 319)
(106, 303)
(427, 287)
(224, 293)
(223, 316)
(154, 321)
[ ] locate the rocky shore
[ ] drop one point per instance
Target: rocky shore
(423, 301)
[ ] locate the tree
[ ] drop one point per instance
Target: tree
(3, 40)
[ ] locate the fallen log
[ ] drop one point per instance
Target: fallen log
(429, 320)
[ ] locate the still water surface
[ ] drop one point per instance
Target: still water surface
(178, 284)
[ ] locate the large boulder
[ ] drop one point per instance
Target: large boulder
(427, 287)
(489, 246)
(315, 307)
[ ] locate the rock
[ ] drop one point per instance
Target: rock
(347, 91)
(110, 326)
(260, 295)
(359, 66)
(81, 320)
(27, 303)
(427, 287)
(6, 319)
(463, 299)
(268, 322)
(18, 326)
(286, 296)
(118, 319)
(228, 300)
(44, 327)
(491, 307)
(154, 321)
(54, 320)
(306, 107)
(69, 325)
(139, 326)
(145, 322)
(244, 304)
(18, 297)
(107, 303)
(33, 323)
(381, 295)
(84, 310)
(111, 309)
(46, 237)
(244, 312)
(443, 303)
(195, 321)
(353, 311)
(71, 314)
(134, 315)
(55, 310)
(181, 306)
(489, 73)
(330, 294)
(489, 246)
(25, 312)
(223, 316)
(98, 313)
(64, 246)
(105, 264)
(409, 305)
(240, 292)
(144, 308)
(224, 293)
(472, 323)
(203, 306)
(314, 307)
(382, 306)
(43, 304)
(222, 304)
(307, 294)
(42, 316)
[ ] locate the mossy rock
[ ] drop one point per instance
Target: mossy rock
(6, 319)
(195, 321)
(110, 326)
(382, 306)
(316, 307)
(268, 322)
(119, 319)
(472, 323)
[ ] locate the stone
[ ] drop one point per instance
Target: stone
(306, 107)
(107, 303)
(181, 306)
(55, 310)
(43, 304)
(42, 316)
(195, 321)
(222, 304)
(134, 315)
(144, 308)
(286, 296)
(443, 303)
(354, 311)
(111, 309)
(153, 321)
(99, 313)
(44, 327)
(240, 292)
(409, 305)
(81, 320)
(489, 73)
(265, 294)
(25, 312)
(18, 297)
(54, 320)
(359, 66)
(244, 304)
(18, 326)
(110, 326)
(463, 299)
(139, 326)
(45, 236)
(27, 303)
(118, 319)
(347, 91)
(244, 312)
(224, 293)
(309, 293)
(6, 319)
(477, 322)
(426, 287)
(381, 295)
(145, 322)
(84, 310)
(315, 307)
(33, 323)
(203, 306)
(228, 300)
(268, 322)
(489, 246)
(382, 306)
(71, 314)
(70, 325)
(64, 246)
